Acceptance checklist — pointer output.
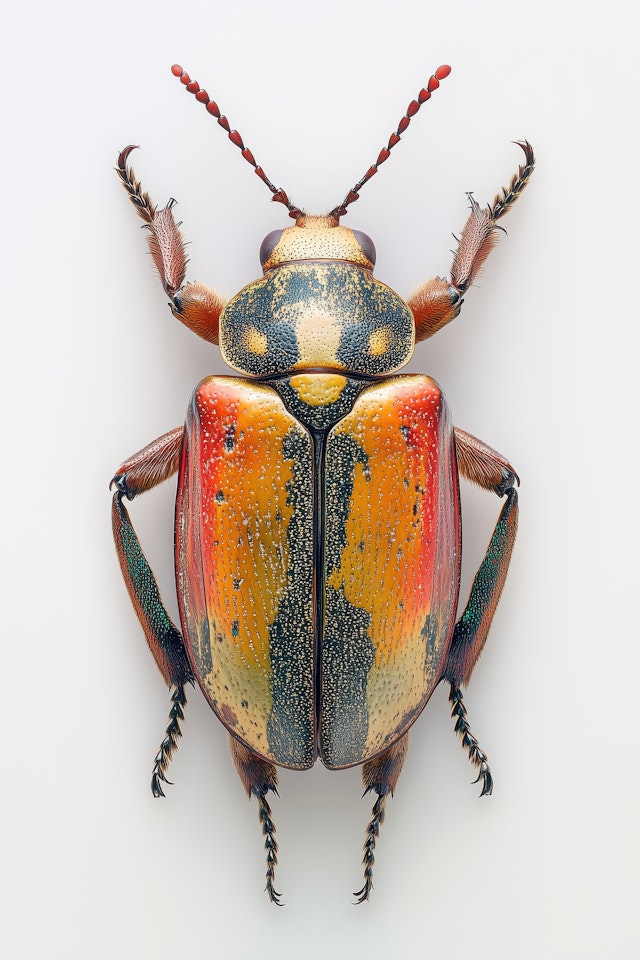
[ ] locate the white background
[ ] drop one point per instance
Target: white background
(541, 364)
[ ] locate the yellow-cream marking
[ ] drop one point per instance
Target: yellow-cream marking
(255, 341)
(318, 338)
(318, 391)
(379, 341)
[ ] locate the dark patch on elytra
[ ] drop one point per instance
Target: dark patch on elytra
(348, 652)
(321, 417)
(230, 437)
(228, 716)
(343, 453)
(347, 657)
(290, 727)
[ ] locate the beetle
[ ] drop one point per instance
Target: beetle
(317, 531)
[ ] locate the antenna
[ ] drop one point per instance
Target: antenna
(212, 107)
(425, 94)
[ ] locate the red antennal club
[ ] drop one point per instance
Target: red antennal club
(212, 107)
(425, 94)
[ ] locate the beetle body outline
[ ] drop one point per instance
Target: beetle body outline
(318, 543)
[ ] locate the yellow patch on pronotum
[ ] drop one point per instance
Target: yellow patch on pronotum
(255, 341)
(379, 341)
(318, 337)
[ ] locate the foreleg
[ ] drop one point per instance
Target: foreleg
(438, 301)
(194, 304)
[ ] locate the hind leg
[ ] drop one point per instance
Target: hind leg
(258, 776)
(382, 776)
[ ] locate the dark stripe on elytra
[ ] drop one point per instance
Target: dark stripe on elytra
(341, 458)
(319, 420)
(348, 652)
(290, 727)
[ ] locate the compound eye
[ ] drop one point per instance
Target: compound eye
(268, 244)
(367, 245)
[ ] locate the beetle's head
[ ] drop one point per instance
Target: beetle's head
(317, 238)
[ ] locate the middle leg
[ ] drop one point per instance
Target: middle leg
(258, 777)
(141, 472)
